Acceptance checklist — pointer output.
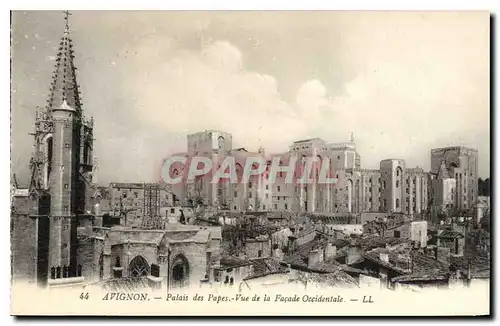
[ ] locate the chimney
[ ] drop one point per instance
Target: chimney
(353, 254)
(330, 251)
(315, 257)
(384, 257)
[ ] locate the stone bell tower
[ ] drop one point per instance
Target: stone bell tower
(61, 167)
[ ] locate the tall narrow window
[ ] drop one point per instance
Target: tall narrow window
(86, 148)
(50, 154)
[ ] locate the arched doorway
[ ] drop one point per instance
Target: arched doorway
(179, 272)
(138, 267)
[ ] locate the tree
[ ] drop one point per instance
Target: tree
(483, 187)
(485, 223)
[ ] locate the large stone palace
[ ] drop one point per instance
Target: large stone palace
(393, 187)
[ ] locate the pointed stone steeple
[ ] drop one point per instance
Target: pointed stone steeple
(64, 87)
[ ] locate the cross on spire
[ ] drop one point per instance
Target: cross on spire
(66, 18)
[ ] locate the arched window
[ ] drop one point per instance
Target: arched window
(138, 267)
(220, 142)
(239, 172)
(397, 202)
(397, 172)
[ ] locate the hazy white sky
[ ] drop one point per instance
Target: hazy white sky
(402, 82)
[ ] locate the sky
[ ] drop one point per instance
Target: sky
(402, 82)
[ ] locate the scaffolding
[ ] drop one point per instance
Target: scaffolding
(152, 218)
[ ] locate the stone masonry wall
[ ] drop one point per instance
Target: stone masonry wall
(23, 247)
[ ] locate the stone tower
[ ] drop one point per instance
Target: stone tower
(61, 167)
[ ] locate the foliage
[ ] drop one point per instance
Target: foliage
(483, 187)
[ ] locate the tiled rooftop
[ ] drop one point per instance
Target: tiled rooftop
(374, 241)
(336, 279)
(450, 234)
(126, 284)
(233, 262)
(266, 266)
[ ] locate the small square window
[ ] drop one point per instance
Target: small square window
(66, 145)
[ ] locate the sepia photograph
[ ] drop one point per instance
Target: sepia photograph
(235, 163)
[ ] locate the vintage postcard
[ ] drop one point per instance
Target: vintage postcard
(327, 163)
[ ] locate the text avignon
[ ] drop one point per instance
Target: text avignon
(125, 296)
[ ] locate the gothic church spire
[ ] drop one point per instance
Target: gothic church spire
(64, 86)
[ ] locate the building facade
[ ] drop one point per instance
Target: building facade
(462, 164)
(392, 188)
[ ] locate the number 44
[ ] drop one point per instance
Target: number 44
(84, 296)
